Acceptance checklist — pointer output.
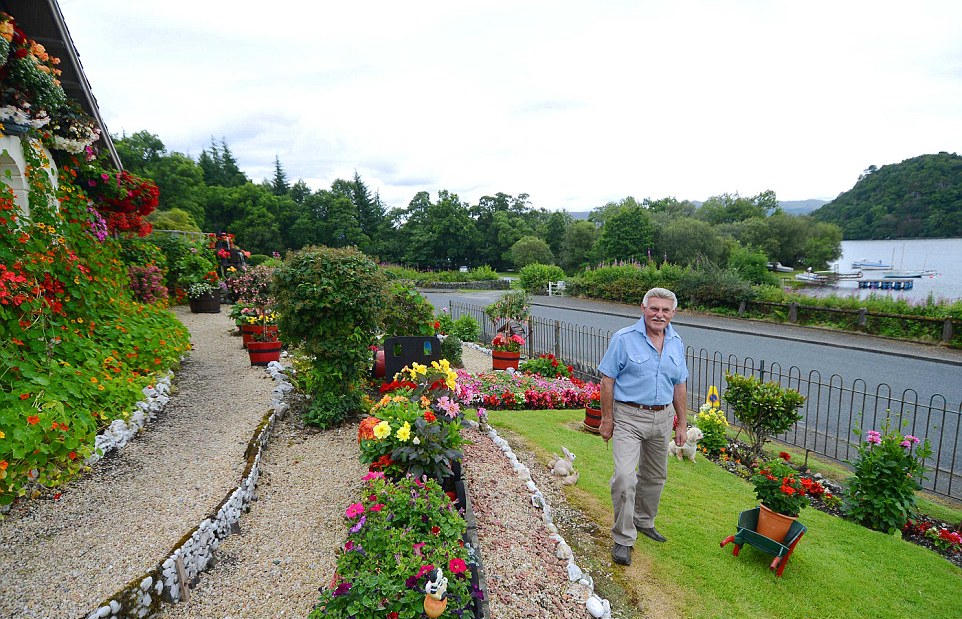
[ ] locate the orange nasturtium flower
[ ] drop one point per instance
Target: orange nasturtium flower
(33, 420)
(3, 465)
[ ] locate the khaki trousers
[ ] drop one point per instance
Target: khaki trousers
(640, 450)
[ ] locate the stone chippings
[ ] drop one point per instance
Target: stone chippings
(61, 558)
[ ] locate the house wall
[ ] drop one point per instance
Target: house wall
(13, 168)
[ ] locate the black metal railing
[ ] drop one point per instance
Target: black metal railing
(834, 409)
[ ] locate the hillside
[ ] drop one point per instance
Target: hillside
(801, 207)
(917, 198)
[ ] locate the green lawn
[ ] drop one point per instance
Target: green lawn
(839, 569)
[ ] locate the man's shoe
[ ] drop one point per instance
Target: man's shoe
(621, 554)
(652, 533)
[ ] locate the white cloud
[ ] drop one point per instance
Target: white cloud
(574, 103)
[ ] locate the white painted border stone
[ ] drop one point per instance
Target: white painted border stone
(595, 605)
(143, 597)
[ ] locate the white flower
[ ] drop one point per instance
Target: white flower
(416, 441)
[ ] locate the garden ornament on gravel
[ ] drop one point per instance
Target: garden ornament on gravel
(689, 449)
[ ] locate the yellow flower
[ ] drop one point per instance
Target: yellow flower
(425, 402)
(417, 368)
(403, 433)
(2, 435)
(382, 430)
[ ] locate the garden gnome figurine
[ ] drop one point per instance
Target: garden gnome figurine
(436, 598)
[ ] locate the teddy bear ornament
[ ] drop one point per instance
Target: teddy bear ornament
(436, 598)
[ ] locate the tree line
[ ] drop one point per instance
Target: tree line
(503, 231)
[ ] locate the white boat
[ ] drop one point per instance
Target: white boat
(778, 267)
(910, 273)
(871, 265)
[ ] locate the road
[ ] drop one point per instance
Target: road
(839, 373)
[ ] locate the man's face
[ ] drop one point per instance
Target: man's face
(658, 314)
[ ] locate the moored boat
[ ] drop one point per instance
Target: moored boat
(910, 273)
(871, 265)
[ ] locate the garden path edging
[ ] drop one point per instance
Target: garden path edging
(144, 595)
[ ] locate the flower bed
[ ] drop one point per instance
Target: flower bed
(513, 390)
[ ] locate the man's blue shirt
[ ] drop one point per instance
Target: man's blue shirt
(641, 374)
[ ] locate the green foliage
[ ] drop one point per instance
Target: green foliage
(465, 328)
(141, 252)
(713, 425)
(174, 248)
(728, 208)
(196, 264)
(331, 302)
(75, 349)
(710, 286)
(257, 259)
(888, 471)
(451, 350)
(919, 197)
(764, 409)
(173, 219)
(400, 422)
(399, 531)
(328, 409)
(511, 306)
(546, 365)
(407, 312)
(579, 238)
(535, 277)
(627, 284)
(751, 265)
(627, 235)
(685, 241)
(529, 250)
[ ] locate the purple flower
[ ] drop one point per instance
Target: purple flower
(411, 582)
(913, 439)
(360, 523)
(342, 588)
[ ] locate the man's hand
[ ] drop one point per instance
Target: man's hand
(681, 435)
(607, 428)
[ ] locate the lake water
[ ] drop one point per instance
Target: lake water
(943, 255)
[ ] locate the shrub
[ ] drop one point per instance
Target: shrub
(451, 350)
(712, 423)
(548, 366)
(328, 409)
(779, 488)
(888, 471)
(709, 286)
(256, 259)
(751, 265)
(330, 303)
(465, 327)
(147, 284)
(511, 306)
(764, 409)
(535, 277)
(407, 312)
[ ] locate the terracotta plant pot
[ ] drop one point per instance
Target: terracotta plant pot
(592, 421)
(262, 353)
(502, 360)
(773, 525)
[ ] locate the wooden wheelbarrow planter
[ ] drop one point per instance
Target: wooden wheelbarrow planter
(748, 522)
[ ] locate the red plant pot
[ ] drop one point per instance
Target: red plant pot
(379, 368)
(262, 353)
(592, 419)
(249, 333)
(502, 360)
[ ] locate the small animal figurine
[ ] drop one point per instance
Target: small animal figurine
(436, 596)
(689, 449)
(564, 467)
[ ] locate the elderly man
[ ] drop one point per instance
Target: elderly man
(642, 390)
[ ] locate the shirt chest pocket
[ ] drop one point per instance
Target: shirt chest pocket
(638, 363)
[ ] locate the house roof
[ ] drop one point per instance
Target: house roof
(43, 22)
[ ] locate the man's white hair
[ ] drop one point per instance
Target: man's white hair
(661, 293)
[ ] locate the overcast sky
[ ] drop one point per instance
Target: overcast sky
(574, 103)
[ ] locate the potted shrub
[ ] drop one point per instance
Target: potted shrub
(764, 409)
(782, 494)
(202, 297)
(264, 345)
(197, 273)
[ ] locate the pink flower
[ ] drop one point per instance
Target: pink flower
(906, 444)
(913, 439)
(417, 549)
(377, 507)
(354, 510)
(457, 566)
(873, 437)
(373, 475)
(425, 569)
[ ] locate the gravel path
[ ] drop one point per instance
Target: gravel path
(61, 558)
(286, 547)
